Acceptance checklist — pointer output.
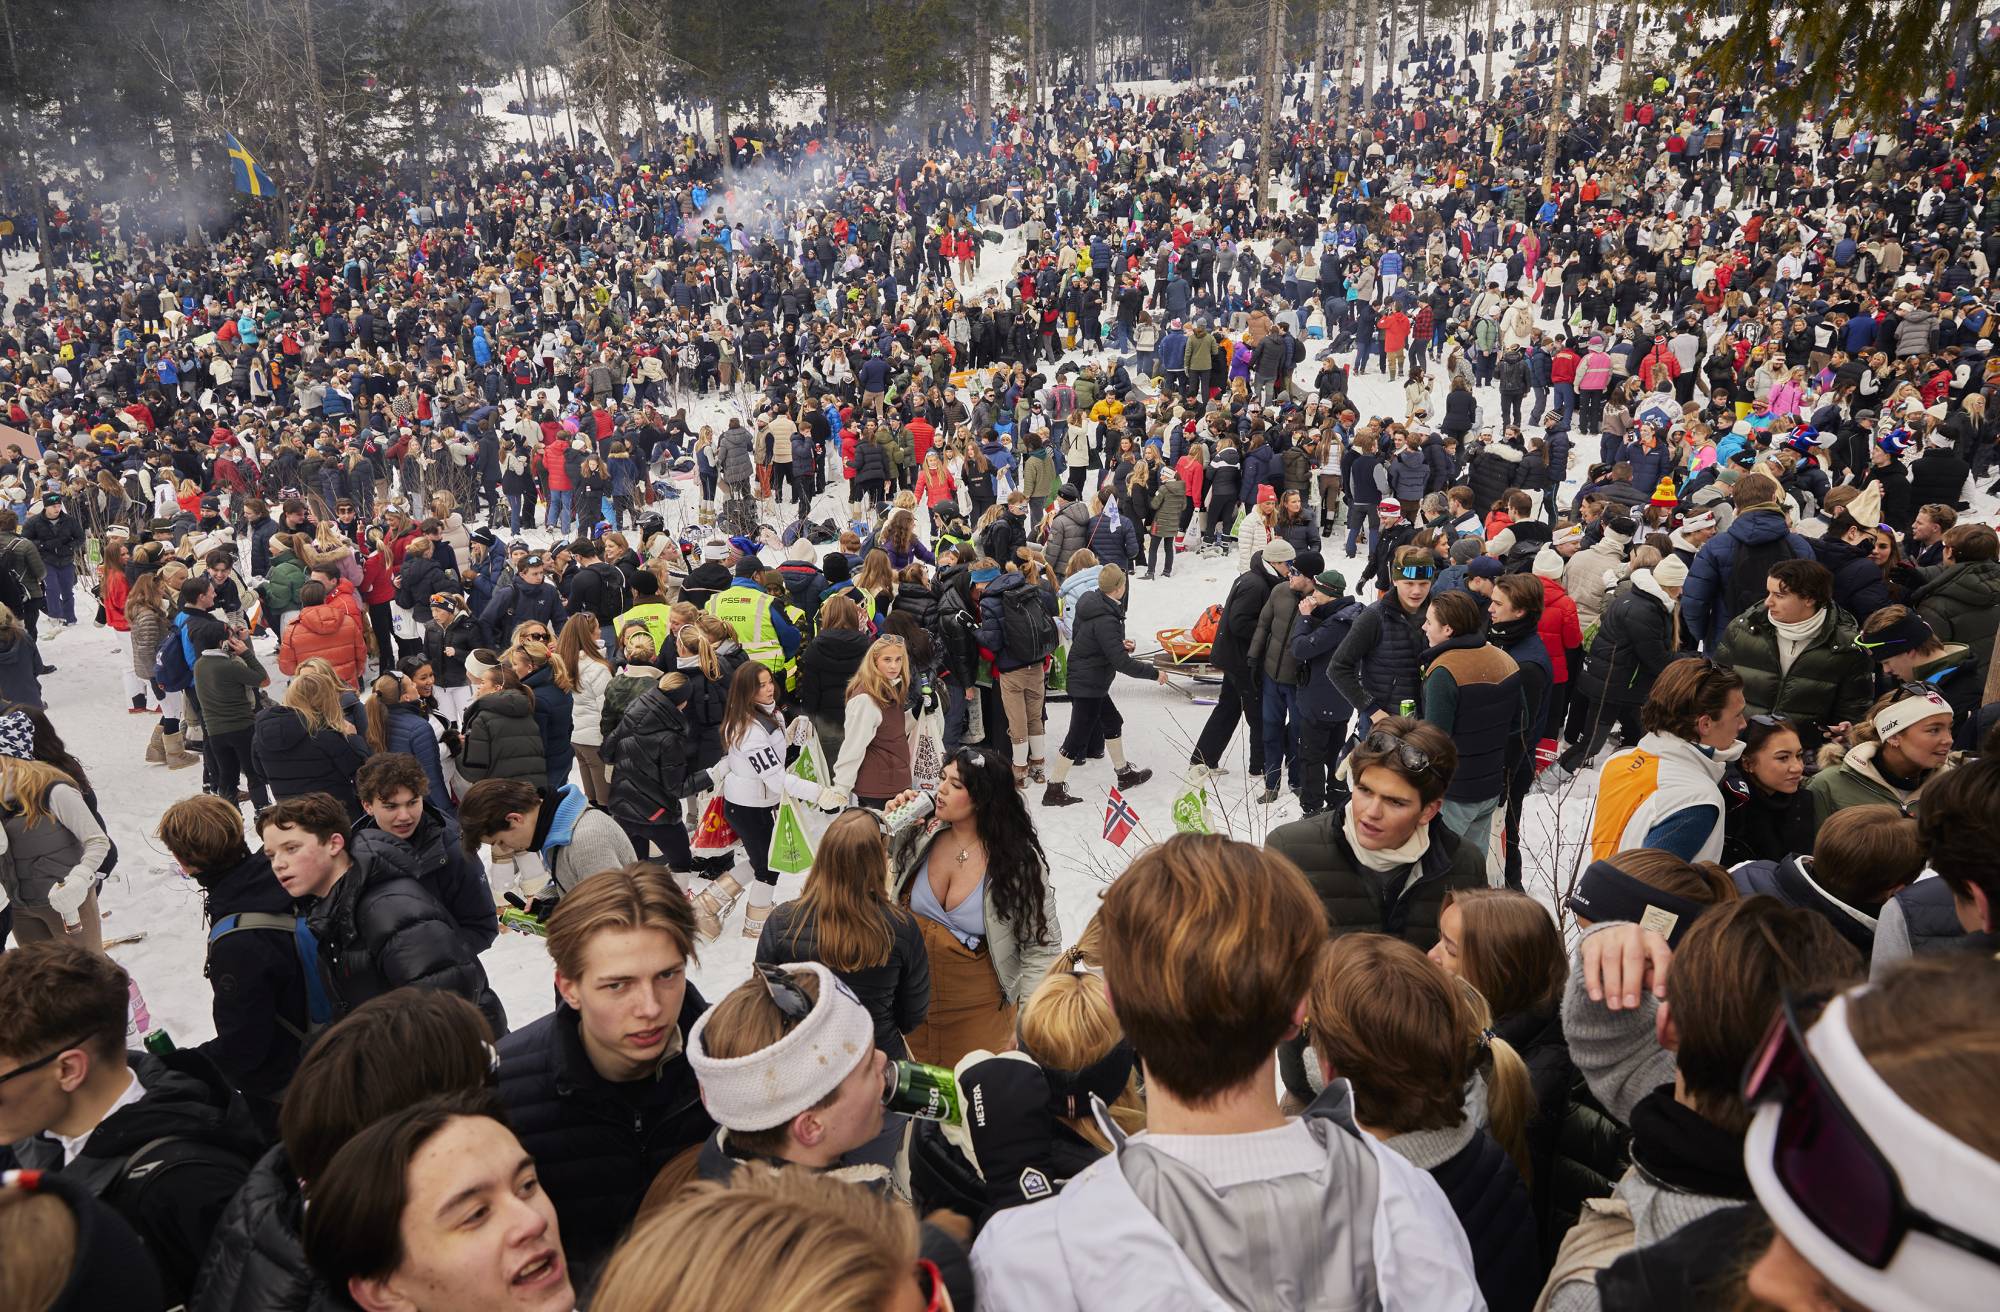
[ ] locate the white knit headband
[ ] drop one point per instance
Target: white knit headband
(770, 1086)
(1898, 716)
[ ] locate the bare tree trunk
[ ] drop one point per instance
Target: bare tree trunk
(982, 67)
(1486, 73)
(722, 136)
(1034, 70)
(1090, 50)
(1395, 13)
(1555, 103)
(183, 135)
(1341, 110)
(1371, 39)
(1629, 30)
(1268, 87)
(1318, 55)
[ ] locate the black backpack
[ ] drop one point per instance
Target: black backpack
(1748, 572)
(1027, 630)
(610, 591)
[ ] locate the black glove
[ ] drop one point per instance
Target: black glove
(697, 783)
(1008, 1118)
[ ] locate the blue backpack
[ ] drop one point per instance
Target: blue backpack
(319, 1003)
(173, 667)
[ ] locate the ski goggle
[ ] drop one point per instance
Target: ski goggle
(1413, 572)
(1826, 1162)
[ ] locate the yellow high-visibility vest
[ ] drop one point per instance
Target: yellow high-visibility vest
(748, 612)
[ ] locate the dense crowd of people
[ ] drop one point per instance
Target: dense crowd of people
(615, 523)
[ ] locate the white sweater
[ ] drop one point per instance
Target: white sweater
(752, 773)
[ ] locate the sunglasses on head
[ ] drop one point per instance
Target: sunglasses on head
(1825, 1160)
(1383, 743)
(1414, 572)
(790, 1000)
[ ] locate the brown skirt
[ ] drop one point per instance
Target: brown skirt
(967, 1010)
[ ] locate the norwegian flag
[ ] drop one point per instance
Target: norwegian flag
(1119, 818)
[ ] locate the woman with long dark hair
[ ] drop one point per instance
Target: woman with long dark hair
(845, 921)
(977, 879)
(754, 783)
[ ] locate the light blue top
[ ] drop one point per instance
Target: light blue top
(966, 921)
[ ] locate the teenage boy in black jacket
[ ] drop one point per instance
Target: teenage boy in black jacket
(600, 1090)
(253, 964)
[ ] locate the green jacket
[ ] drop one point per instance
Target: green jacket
(282, 584)
(1855, 781)
(1086, 392)
(1038, 476)
(227, 688)
(1169, 503)
(1200, 352)
(1961, 603)
(1831, 679)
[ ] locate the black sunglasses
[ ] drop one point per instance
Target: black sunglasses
(1383, 743)
(37, 1063)
(1825, 1159)
(790, 1000)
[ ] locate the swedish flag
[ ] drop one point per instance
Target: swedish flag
(250, 179)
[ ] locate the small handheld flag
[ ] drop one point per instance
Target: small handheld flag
(1119, 818)
(250, 177)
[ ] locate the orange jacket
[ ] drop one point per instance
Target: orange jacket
(328, 630)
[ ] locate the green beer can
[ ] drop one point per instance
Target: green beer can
(929, 1092)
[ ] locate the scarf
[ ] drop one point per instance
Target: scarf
(1389, 858)
(1794, 636)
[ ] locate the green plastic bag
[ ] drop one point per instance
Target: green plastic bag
(791, 851)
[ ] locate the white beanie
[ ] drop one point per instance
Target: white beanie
(1671, 572)
(1549, 564)
(767, 1088)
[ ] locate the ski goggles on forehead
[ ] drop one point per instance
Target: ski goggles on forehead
(1413, 571)
(1825, 1160)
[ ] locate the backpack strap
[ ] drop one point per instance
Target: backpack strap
(319, 1004)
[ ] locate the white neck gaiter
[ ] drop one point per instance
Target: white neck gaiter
(1793, 637)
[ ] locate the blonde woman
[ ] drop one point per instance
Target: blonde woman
(876, 581)
(451, 525)
(54, 844)
(308, 744)
(580, 653)
(877, 736)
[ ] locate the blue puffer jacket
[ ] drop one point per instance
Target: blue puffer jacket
(1648, 467)
(409, 731)
(1409, 475)
(1114, 541)
(1314, 642)
(552, 717)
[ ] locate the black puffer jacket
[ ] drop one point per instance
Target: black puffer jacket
(597, 1145)
(825, 666)
(189, 1116)
(1379, 665)
(257, 981)
(1763, 826)
(1962, 604)
(258, 1260)
(1353, 896)
(648, 753)
(380, 929)
(502, 740)
(444, 868)
(1486, 1194)
(1858, 585)
(897, 993)
(1634, 642)
(1536, 1035)
(1247, 595)
(1097, 647)
(296, 762)
(418, 581)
